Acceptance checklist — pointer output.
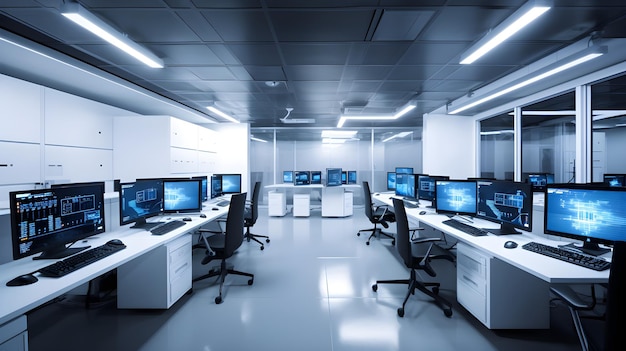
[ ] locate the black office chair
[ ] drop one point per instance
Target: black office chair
(377, 215)
(224, 245)
(251, 214)
(428, 250)
(576, 303)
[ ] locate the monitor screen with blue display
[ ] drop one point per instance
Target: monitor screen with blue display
(287, 176)
(457, 197)
(506, 202)
(182, 195)
(316, 177)
(539, 180)
(333, 176)
(140, 200)
(614, 179)
(216, 186)
(205, 186)
(351, 177)
(405, 170)
(426, 186)
(595, 215)
(391, 180)
(302, 178)
(405, 185)
(231, 183)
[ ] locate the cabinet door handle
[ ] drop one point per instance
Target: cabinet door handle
(467, 279)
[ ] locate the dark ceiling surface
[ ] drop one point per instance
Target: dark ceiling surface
(325, 57)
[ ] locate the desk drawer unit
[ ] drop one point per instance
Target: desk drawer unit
(13, 335)
(498, 294)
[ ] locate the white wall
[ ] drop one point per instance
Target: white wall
(449, 146)
(615, 147)
(233, 151)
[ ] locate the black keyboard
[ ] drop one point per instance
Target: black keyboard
(167, 227)
(587, 261)
(465, 228)
(80, 260)
(223, 203)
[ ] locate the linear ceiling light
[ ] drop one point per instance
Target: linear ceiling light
(257, 139)
(560, 66)
(514, 23)
(222, 114)
(399, 135)
(339, 134)
(397, 115)
(87, 20)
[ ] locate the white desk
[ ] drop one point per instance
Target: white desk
(18, 300)
(503, 288)
(337, 201)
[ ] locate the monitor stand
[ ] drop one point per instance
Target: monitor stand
(142, 224)
(59, 252)
(588, 248)
(505, 229)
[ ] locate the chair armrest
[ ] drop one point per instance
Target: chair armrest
(572, 298)
(424, 240)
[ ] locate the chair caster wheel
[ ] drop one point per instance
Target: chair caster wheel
(367, 243)
(267, 240)
(436, 290)
(447, 312)
(262, 247)
(248, 239)
(218, 300)
(393, 242)
(375, 287)
(358, 234)
(251, 281)
(400, 312)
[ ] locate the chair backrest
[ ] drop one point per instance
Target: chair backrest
(367, 197)
(403, 241)
(254, 206)
(234, 223)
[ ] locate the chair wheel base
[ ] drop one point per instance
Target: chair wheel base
(393, 242)
(218, 300)
(251, 281)
(262, 247)
(435, 290)
(400, 312)
(367, 243)
(447, 312)
(267, 240)
(358, 234)
(375, 287)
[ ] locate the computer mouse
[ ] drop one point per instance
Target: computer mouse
(422, 212)
(215, 209)
(115, 242)
(202, 215)
(510, 244)
(23, 279)
(187, 219)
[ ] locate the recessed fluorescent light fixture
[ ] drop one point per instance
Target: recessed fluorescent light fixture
(560, 66)
(497, 132)
(526, 14)
(79, 15)
(222, 114)
(339, 134)
(399, 135)
(257, 139)
(397, 115)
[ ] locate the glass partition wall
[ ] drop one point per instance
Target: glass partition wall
(369, 152)
(497, 147)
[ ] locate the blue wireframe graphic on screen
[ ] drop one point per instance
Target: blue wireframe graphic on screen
(456, 196)
(591, 214)
(506, 202)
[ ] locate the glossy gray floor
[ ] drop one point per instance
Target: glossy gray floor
(312, 291)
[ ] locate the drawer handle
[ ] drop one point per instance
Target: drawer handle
(469, 280)
(181, 267)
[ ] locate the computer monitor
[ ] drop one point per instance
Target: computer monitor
(46, 220)
(333, 176)
(302, 178)
(614, 179)
(287, 176)
(391, 181)
(589, 213)
(426, 187)
(506, 202)
(231, 183)
(351, 177)
(539, 180)
(344, 177)
(456, 197)
(316, 177)
(405, 186)
(182, 195)
(205, 186)
(140, 200)
(216, 186)
(405, 170)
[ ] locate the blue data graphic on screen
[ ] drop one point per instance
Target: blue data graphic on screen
(181, 196)
(405, 185)
(592, 213)
(456, 196)
(316, 177)
(391, 180)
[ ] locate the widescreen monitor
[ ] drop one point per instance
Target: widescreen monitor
(46, 220)
(316, 177)
(287, 176)
(405, 170)
(456, 197)
(589, 213)
(506, 202)
(333, 176)
(216, 186)
(140, 200)
(391, 181)
(205, 186)
(231, 183)
(405, 186)
(426, 186)
(351, 177)
(302, 178)
(614, 179)
(539, 180)
(182, 195)
(344, 177)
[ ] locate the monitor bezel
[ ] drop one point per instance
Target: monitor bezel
(199, 201)
(354, 181)
(506, 227)
(237, 175)
(139, 221)
(333, 169)
(296, 182)
(407, 196)
(313, 174)
(440, 210)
